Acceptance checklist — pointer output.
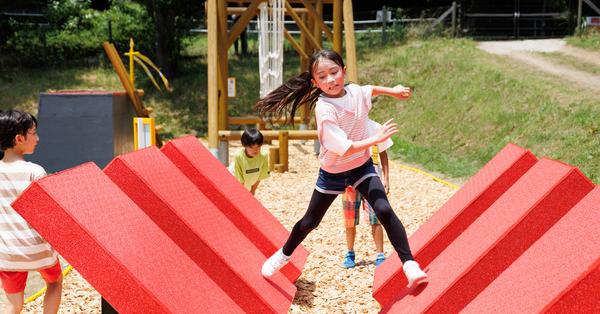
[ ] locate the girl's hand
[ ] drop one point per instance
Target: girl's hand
(388, 129)
(402, 92)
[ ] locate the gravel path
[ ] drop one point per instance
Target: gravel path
(325, 286)
(525, 52)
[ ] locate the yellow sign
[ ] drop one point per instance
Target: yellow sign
(144, 133)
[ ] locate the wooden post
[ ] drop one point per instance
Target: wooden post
(223, 62)
(213, 78)
(280, 168)
(350, 42)
(283, 149)
(273, 157)
(337, 26)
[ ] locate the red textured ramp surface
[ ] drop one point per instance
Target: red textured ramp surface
(558, 273)
(174, 203)
(468, 203)
(497, 238)
(116, 247)
(237, 203)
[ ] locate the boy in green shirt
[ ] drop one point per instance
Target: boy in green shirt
(250, 165)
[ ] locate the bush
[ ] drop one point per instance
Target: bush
(76, 31)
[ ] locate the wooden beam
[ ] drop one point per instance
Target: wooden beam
(115, 59)
(258, 120)
(351, 63)
(227, 135)
(317, 18)
(305, 44)
(337, 26)
(241, 10)
(302, 26)
(213, 67)
(291, 1)
(294, 44)
(242, 22)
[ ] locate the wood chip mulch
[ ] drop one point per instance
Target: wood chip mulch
(324, 286)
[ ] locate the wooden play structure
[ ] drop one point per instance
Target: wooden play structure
(308, 16)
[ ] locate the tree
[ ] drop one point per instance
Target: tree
(172, 19)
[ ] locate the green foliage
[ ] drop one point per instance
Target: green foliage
(76, 31)
(587, 39)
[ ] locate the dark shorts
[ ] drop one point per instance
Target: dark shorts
(336, 183)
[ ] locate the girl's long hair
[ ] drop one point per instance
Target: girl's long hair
(298, 91)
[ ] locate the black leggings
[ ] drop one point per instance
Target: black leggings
(372, 189)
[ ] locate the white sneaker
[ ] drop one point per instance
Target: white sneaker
(274, 263)
(414, 274)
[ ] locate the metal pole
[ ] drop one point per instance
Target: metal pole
(383, 24)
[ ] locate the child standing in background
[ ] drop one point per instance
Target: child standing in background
(22, 249)
(250, 164)
(351, 201)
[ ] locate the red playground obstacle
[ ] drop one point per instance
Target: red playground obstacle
(116, 247)
(466, 205)
(560, 273)
(237, 203)
(190, 219)
(505, 243)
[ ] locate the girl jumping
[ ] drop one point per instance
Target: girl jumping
(342, 113)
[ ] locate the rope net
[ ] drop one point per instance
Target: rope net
(270, 45)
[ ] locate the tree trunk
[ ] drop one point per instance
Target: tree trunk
(166, 45)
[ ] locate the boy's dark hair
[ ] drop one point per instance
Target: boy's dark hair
(12, 123)
(252, 137)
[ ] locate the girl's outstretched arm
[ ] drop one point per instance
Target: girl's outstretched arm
(388, 129)
(397, 91)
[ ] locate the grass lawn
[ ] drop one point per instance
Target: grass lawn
(468, 104)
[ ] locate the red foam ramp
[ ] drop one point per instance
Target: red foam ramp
(116, 247)
(174, 203)
(560, 273)
(237, 203)
(497, 238)
(468, 203)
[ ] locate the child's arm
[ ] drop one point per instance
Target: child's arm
(385, 169)
(386, 131)
(397, 91)
(254, 187)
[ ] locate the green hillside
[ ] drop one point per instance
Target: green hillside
(467, 104)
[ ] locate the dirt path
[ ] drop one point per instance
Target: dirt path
(525, 52)
(325, 286)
